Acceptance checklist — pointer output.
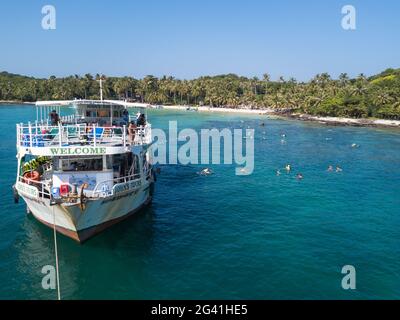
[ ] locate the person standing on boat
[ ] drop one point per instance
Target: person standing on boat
(125, 115)
(141, 120)
(54, 117)
(132, 132)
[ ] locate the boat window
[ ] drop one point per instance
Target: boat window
(109, 162)
(136, 164)
(56, 164)
(82, 164)
(104, 113)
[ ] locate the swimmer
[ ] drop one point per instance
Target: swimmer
(278, 172)
(262, 124)
(283, 135)
(299, 176)
(339, 169)
(288, 168)
(330, 168)
(206, 172)
(354, 145)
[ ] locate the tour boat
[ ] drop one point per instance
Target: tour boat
(88, 171)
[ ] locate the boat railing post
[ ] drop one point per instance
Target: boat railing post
(60, 133)
(124, 135)
(21, 129)
(18, 136)
(30, 134)
(94, 135)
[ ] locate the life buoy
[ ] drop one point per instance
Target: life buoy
(31, 176)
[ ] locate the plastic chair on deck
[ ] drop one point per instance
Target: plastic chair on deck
(72, 132)
(98, 132)
(51, 135)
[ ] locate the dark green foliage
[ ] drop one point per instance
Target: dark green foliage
(377, 96)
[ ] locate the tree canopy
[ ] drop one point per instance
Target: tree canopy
(377, 96)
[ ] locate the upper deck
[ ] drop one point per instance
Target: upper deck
(97, 127)
(78, 139)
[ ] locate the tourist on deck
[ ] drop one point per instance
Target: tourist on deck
(132, 132)
(125, 115)
(54, 117)
(141, 121)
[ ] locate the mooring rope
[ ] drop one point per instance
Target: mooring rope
(56, 252)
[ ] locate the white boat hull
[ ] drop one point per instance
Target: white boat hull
(98, 215)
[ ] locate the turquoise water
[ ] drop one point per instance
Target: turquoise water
(224, 236)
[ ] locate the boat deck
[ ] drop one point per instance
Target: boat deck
(42, 135)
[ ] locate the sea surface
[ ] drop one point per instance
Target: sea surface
(225, 236)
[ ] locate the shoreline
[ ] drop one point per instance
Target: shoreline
(8, 102)
(299, 116)
(339, 121)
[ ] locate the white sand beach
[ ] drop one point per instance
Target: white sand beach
(228, 110)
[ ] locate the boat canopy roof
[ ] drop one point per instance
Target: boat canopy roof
(61, 103)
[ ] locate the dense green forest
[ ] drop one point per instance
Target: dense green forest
(377, 96)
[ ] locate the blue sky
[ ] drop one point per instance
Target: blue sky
(189, 38)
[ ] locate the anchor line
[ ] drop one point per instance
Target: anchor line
(56, 254)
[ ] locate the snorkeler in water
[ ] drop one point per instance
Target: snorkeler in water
(330, 168)
(288, 168)
(339, 169)
(299, 176)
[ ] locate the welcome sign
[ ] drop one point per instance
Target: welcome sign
(73, 151)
